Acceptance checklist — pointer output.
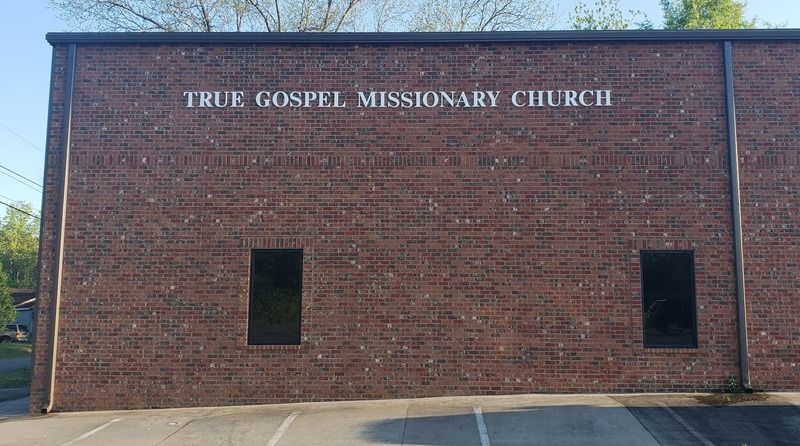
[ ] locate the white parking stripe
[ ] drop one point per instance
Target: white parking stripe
(91, 432)
(481, 426)
(700, 437)
(282, 429)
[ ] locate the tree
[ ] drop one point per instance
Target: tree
(208, 15)
(705, 14)
(7, 312)
(19, 246)
(607, 15)
(305, 15)
(481, 15)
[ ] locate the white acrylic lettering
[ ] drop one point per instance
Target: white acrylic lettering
(324, 98)
(477, 99)
(236, 99)
(569, 98)
(550, 98)
(447, 98)
(295, 99)
(336, 102)
(205, 99)
(514, 98)
(217, 96)
(582, 98)
(493, 98)
(309, 97)
(190, 98)
(366, 100)
(463, 101)
(401, 99)
(393, 99)
(603, 98)
(430, 99)
(407, 99)
(262, 99)
(539, 98)
(280, 99)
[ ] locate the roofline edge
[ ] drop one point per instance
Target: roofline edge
(410, 37)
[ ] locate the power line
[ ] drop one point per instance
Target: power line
(8, 198)
(20, 175)
(20, 210)
(21, 182)
(23, 138)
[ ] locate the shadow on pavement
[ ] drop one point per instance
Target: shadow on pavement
(546, 425)
(751, 425)
(639, 424)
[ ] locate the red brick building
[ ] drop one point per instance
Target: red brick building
(259, 218)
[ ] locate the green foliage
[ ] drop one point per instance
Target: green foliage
(705, 14)
(607, 15)
(732, 385)
(19, 246)
(7, 312)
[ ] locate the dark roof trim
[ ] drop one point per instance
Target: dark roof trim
(467, 37)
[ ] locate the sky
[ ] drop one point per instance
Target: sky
(25, 80)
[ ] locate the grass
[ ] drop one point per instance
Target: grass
(17, 378)
(15, 350)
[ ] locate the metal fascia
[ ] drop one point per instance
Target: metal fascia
(424, 38)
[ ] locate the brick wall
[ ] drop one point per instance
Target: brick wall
(42, 319)
(768, 91)
(447, 251)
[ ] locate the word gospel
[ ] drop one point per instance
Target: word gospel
(399, 99)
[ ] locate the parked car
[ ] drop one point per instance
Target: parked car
(14, 333)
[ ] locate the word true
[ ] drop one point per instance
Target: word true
(399, 99)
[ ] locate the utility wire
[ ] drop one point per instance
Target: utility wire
(23, 138)
(20, 175)
(20, 210)
(8, 198)
(21, 182)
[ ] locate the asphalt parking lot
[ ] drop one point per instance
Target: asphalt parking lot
(662, 419)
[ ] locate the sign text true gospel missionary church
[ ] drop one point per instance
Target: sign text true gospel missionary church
(400, 99)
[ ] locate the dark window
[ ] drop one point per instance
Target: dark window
(276, 285)
(668, 299)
